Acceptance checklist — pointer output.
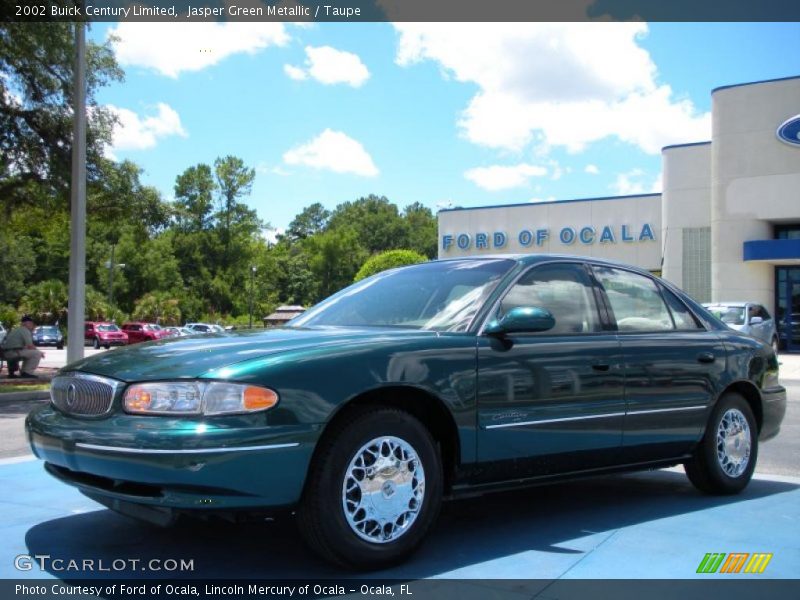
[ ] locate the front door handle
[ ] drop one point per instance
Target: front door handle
(706, 357)
(600, 366)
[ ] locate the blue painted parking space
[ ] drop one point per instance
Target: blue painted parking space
(648, 525)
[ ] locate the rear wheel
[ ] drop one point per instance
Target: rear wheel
(724, 461)
(374, 491)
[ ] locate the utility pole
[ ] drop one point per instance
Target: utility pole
(77, 254)
(110, 265)
(252, 289)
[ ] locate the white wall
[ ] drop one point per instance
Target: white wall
(686, 201)
(755, 179)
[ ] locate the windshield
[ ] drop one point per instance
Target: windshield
(107, 328)
(152, 327)
(47, 330)
(440, 296)
(730, 315)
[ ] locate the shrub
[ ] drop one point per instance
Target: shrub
(388, 260)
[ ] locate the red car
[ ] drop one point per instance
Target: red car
(139, 331)
(104, 334)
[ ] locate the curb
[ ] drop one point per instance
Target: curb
(22, 396)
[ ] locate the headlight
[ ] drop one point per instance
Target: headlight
(196, 398)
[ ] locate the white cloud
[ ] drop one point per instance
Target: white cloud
(557, 84)
(329, 66)
(500, 177)
(140, 133)
(295, 73)
(171, 48)
(592, 170)
(333, 151)
(635, 182)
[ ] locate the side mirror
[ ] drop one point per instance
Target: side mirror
(521, 319)
(756, 320)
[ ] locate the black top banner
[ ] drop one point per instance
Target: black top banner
(401, 10)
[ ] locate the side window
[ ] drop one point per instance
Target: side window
(764, 313)
(563, 289)
(635, 300)
(680, 314)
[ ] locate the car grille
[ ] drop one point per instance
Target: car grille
(83, 395)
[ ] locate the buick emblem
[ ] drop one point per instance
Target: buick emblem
(72, 393)
(789, 131)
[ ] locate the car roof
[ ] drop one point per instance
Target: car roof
(531, 259)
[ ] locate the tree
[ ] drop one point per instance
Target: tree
(334, 258)
(311, 221)
(376, 222)
(234, 180)
(17, 261)
(36, 74)
(390, 259)
(194, 194)
(46, 301)
(422, 229)
(160, 307)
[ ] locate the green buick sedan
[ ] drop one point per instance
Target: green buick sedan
(416, 385)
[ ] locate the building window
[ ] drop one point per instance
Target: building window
(787, 232)
(697, 263)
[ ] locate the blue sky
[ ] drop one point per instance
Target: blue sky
(459, 114)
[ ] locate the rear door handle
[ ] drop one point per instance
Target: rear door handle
(706, 357)
(601, 366)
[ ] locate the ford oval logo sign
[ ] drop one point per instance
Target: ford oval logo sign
(789, 131)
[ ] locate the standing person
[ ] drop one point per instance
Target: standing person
(19, 344)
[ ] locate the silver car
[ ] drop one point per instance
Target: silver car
(747, 317)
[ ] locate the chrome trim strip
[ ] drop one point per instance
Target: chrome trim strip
(663, 410)
(188, 451)
(561, 420)
(602, 416)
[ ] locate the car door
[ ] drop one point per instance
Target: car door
(671, 365)
(762, 330)
(551, 401)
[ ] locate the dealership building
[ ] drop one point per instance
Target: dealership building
(726, 226)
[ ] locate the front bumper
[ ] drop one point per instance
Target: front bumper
(773, 411)
(179, 463)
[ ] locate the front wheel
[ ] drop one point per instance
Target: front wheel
(725, 459)
(96, 344)
(374, 491)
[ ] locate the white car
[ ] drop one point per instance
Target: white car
(204, 328)
(747, 317)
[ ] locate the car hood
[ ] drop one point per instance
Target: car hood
(743, 328)
(189, 357)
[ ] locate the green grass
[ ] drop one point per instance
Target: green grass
(23, 387)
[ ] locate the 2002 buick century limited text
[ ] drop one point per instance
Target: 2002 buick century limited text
(416, 384)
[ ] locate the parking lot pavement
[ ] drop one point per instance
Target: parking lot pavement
(55, 358)
(652, 525)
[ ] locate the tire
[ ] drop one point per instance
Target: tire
(96, 344)
(59, 346)
(333, 516)
(724, 468)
